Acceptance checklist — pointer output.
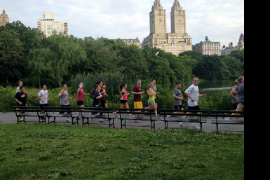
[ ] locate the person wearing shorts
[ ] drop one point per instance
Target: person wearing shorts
(193, 98)
(20, 98)
(64, 99)
(43, 98)
(81, 93)
(241, 94)
(137, 97)
(151, 101)
(234, 96)
(178, 97)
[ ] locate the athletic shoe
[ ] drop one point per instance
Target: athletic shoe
(68, 120)
(78, 118)
(168, 116)
(101, 121)
(21, 119)
(181, 124)
(132, 116)
(137, 121)
(106, 119)
(115, 113)
(158, 119)
(195, 126)
(226, 119)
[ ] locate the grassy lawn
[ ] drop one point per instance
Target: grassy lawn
(33, 151)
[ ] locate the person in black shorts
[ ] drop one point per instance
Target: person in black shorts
(20, 98)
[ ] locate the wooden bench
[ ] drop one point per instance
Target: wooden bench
(51, 113)
(99, 111)
(150, 112)
(31, 111)
(166, 120)
(221, 114)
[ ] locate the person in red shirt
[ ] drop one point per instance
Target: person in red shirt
(137, 97)
(81, 93)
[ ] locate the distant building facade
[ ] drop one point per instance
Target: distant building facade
(47, 25)
(228, 50)
(208, 47)
(178, 40)
(4, 18)
(136, 41)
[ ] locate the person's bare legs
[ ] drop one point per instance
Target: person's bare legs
(155, 106)
(240, 107)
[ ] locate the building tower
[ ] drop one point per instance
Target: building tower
(4, 19)
(178, 19)
(157, 16)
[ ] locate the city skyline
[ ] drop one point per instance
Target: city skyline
(221, 21)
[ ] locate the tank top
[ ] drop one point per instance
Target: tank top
(124, 97)
(80, 95)
(236, 95)
(152, 98)
(64, 99)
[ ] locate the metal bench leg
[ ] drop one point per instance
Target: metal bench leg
(201, 125)
(154, 125)
(121, 123)
(82, 121)
(24, 119)
(217, 126)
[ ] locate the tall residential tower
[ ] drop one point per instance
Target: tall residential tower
(178, 40)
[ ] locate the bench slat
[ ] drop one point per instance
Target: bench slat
(227, 122)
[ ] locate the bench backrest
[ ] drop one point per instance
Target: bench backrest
(183, 112)
(226, 113)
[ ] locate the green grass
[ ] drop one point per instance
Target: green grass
(34, 151)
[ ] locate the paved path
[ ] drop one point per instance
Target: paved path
(8, 118)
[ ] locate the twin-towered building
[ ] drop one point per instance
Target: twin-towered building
(178, 40)
(4, 18)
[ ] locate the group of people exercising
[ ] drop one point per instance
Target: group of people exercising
(100, 95)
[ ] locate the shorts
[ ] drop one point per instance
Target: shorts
(234, 106)
(178, 107)
(197, 108)
(23, 106)
(42, 106)
(64, 109)
(79, 103)
(123, 101)
(241, 103)
(151, 102)
(138, 105)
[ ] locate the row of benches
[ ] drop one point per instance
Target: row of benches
(88, 113)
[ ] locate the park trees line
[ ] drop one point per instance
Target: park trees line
(27, 54)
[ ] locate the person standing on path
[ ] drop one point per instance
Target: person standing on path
(20, 84)
(178, 97)
(234, 96)
(193, 98)
(137, 97)
(241, 94)
(81, 93)
(64, 99)
(20, 98)
(43, 98)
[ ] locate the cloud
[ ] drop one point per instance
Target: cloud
(221, 20)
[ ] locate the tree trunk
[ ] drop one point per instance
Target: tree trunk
(39, 83)
(60, 84)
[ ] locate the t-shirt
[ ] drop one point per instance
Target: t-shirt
(137, 97)
(44, 96)
(80, 94)
(241, 93)
(96, 101)
(21, 96)
(177, 93)
(194, 93)
(236, 95)
(155, 90)
(18, 89)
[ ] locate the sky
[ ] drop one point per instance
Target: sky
(221, 20)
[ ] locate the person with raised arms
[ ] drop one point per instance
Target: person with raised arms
(64, 99)
(43, 98)
(193, 98)
(20, 98)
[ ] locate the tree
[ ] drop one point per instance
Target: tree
(11, 50)
(63, 54)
